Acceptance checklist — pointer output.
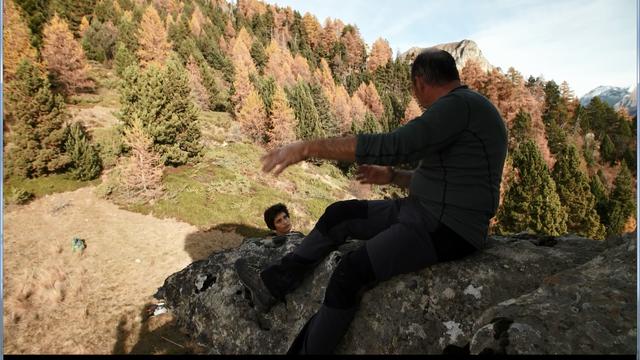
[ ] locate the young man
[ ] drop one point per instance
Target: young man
(277, 219)
(460, 142)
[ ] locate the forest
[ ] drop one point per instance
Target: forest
(281, 76)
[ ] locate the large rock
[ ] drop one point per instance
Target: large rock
(462, 52)
(587, 310)
(438, 308)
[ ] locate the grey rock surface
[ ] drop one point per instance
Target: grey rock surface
(590, 309)
(425, 312)
(462, 52)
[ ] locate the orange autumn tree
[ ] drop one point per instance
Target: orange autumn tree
(380, 54)
(313, 30)
(342, 109)
(412, 111)
(369, 96)
(279, 65)
(282, 122)
(197, 21)
(141, 173)
(152, 37)
(252, 117)
(17, 40)
(64, 57)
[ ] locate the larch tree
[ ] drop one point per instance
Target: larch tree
(279, 65)
(531, 202)
(412, 111)
(154, 45)
(197, 21)
(358, 111)
(575, 195)
(17, 40)
(324, 77)
(242, 87)
(380, 54)
(300, 68)
(240, 53)
(252, 117)
(140, 173)
(84, 25)
(355, 48)
(369, 96)
(282, 122)
(342, 109)
(198, 90)
(64, 57)
(313, 30)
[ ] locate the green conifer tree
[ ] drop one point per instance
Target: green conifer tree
(123, 58)
(607, 150)
(38, 135)
(621, 201)
(259, 55)
(160, 98)
(531, 201)
(575, 195)
(301, 101)
(599, 192)
(328, 120)
(85, 161)
(520, 129)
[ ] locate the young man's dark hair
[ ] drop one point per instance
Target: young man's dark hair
(271, 213)
(435, 66)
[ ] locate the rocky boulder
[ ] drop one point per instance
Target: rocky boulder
(590, 309)
(462, 52)
(436, 310)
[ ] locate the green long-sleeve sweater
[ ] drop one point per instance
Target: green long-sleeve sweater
(461, 144)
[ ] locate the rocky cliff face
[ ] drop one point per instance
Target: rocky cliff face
(462, 52)
(522, 294)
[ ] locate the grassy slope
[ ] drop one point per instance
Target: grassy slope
(225, 187)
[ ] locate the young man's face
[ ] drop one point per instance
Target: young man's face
(282, 223)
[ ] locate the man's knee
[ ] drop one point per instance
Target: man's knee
(352, 276)
(341, 211)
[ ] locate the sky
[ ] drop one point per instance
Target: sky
(587, 43)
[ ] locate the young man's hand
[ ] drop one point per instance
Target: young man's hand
(375, 174)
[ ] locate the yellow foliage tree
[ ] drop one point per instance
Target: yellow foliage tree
(412, 111)
(252, 117)
(313, 29)
(17, 40)
(380, 54)
(282, 121)
(369, 96)
(64, 57)
(152, 37)
(141, 173)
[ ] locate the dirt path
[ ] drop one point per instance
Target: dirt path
(58, 301)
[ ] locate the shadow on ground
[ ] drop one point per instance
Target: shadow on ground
(157, 335)
(201, 244)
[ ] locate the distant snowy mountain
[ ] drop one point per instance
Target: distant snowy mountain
(629, 101)
(609, 94)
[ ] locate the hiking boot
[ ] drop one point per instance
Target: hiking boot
(250, 278)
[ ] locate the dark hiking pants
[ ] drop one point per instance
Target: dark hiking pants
(402, 237)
